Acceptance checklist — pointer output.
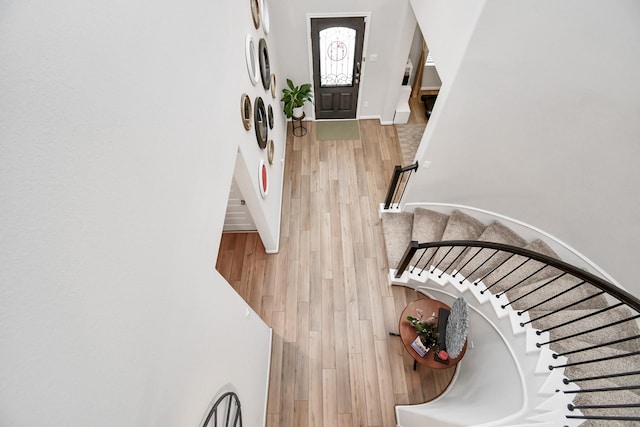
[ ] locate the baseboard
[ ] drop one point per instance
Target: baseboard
(368, 117)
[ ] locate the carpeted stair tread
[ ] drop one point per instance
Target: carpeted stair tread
(525, 296)
(504, 278)
(475, 263)
(623, 364)
(606, 334)
(606, 398)
(460, 226)
(598, 423)
(428, 225)
(397, 229)
(587, 371)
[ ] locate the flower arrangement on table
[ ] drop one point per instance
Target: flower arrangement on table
(427, 331)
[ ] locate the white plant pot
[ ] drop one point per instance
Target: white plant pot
(298, 112)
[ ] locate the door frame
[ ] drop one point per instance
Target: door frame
(363, 68)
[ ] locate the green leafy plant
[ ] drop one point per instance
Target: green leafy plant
(428, 333)
(295, 96)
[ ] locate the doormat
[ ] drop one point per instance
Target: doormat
(337, 130)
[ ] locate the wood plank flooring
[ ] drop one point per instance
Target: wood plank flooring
(326, 293)
(418, 110)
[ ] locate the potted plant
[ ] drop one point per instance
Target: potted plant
(294, 98)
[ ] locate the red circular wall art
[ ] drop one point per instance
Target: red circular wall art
(264, 179)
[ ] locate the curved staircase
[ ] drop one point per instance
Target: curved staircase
(549, 344)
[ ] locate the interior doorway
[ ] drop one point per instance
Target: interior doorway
(336, 50)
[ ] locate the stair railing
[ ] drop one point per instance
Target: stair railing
(398, 185)
(499, 268)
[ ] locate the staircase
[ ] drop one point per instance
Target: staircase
(549, 344)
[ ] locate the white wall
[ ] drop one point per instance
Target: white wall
(430, 78)
(390, 32)
(265, 211)
(119, 129)
(540, 122)
(447, 27)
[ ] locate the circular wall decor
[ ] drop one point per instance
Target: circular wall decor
(246, 111)
(255, 12)
(260, 120)
(264, 15)
(270, 151)
(265, 68)
(263, 179)
(251, 56)
(273, 86)
(270, 116)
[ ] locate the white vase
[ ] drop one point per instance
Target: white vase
(298, 112)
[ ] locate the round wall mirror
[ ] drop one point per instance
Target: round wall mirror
(265, 68)
(246, 111)
(270, 151)
(255, 12)
(270, 116)
(251, 56)
(264, 15)
(260, 121)
(273, 86)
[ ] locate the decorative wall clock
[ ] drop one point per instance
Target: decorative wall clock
(246, 111)
(260, 120)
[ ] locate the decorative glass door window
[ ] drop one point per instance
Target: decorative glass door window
(337, 56)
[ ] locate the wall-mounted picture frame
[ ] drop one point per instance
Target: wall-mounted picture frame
(270, 116)
(270, 151)
(246, 111)
(263, 179)
(261, 122)
(273, 86)
(264, 16)
(251, 56)
(265, 66)
(255, 13)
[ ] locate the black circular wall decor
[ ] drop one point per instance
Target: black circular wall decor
(246, 111)
(265, 68)
(260, 120)
(270, 116)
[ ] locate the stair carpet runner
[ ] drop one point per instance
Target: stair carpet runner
(425, 225)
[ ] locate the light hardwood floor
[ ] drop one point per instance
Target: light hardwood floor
(418, 110)
(326, 293)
